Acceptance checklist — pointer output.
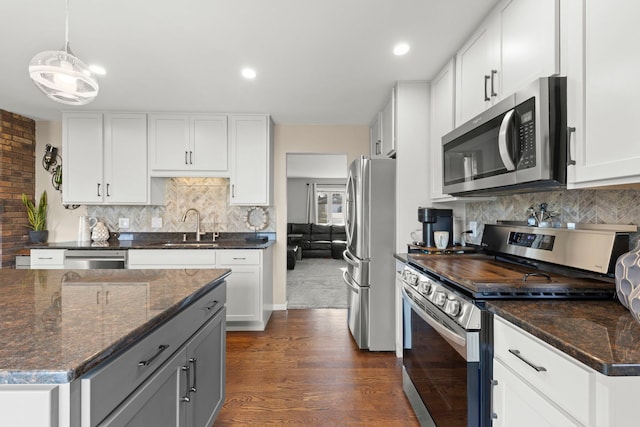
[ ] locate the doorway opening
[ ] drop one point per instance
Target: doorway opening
(316, 186)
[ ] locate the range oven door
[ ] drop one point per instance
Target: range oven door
(441, 362)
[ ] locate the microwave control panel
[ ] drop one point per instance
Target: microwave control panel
(526, 125)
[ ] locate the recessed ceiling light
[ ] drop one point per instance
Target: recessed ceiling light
(249, 73)
(401, 49)
(97, 69)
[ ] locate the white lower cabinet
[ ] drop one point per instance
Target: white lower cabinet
(188, 390)
(535, 384)
(34, 405)
(171, 258)
(47, 258)
(517, 404)
(249, 287)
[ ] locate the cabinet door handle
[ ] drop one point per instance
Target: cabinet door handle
(570, 131)
(149, 361)
(186, 397)
(106, 297)
(493, 383)
(108, 195)
(233, 190)
(210, 306)
(493, 75)
(186, 162)
(190, 157)
(378, 149)
(486, 79)
(98, 298)
(98, 189)
(517, 354)
(193, 361)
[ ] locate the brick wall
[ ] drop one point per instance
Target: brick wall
(17, 176)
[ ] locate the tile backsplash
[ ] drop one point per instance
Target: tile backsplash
(210, 196)
(580, 206)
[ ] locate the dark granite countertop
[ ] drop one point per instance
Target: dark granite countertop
(601, 334)
(159, 240)
(52, 331)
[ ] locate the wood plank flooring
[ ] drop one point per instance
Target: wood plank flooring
(305, 369)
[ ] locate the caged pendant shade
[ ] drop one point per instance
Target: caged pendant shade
(62, 76)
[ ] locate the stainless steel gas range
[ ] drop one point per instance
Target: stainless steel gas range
(447, 339)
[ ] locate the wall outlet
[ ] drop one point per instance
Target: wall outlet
(473, 226)
(156, 222)
(123, 222)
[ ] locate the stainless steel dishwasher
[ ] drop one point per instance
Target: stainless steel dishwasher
(83, 259)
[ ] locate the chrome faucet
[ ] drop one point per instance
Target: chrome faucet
(184, 218)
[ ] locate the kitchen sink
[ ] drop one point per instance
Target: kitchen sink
(189, 244)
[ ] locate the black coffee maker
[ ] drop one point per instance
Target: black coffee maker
(435, 220)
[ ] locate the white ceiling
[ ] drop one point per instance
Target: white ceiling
(318, 61)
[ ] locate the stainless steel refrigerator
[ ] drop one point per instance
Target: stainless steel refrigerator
(370, 273)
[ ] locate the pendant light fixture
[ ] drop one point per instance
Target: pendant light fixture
(62, 76)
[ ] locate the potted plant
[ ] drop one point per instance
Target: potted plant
(37, 218)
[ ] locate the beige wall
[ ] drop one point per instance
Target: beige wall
(63, 223)
(350, 140)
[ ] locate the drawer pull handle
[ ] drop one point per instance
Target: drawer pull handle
(147, 362)
(493, 384)
(210, 306)
(45, 257)
(193, 361)
(186, 397)
(242, 258)
(517, 354)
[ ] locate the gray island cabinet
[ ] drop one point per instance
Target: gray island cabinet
(112, 347)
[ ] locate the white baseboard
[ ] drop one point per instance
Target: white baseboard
(279, 307)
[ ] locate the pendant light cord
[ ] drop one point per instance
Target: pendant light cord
(66, 30)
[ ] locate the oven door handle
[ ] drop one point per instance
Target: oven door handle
(505, 127)
(443, 331)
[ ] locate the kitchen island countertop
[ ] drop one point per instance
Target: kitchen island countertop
(55, 326)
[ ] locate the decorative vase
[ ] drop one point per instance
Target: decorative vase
(38, 236)
(628, 280)
(100, 232)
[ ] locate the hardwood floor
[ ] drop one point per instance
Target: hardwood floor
(305, 369)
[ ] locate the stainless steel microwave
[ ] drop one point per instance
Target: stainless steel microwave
(519, 144)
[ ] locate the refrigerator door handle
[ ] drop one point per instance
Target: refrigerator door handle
(346, 255)
(350, 283)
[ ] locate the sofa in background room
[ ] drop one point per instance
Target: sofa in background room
(317, 241)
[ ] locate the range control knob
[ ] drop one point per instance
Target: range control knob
(409, 277)
(453, 308)
(439, 298)
(424, 286)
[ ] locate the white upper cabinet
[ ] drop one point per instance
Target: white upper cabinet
(517, 43)
(388, 125)
(188, 145)
(375, 138)
(105, 158)
(251, 159)
(442, 122)
(383, 129)
(601, 61)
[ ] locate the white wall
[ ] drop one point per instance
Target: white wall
(350, 140)
(62, 223)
